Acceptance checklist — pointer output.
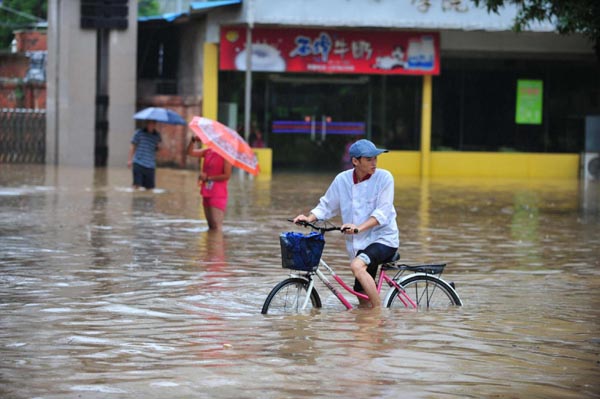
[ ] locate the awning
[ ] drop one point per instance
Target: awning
(169, 17)
(207, 5)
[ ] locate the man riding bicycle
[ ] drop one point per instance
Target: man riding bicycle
(364, 197)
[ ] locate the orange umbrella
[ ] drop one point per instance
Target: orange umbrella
(225, 141)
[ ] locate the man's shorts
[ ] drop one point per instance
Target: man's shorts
(143, 177)
(215, 202)
(378, 254)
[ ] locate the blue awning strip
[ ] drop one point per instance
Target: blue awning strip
(203, 5)
(169, 17)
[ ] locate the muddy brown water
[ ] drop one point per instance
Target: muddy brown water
(110, 293)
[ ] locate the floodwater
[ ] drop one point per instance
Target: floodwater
(110, 293)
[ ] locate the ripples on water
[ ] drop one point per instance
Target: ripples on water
(110, 293)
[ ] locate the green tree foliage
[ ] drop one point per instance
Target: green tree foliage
(19, 14)
(148, 8)
(570, 16)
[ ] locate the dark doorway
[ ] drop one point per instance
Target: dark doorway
(313, 118)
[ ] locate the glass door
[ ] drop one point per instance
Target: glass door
(313, 119)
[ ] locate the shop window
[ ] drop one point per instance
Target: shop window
(309, 119)
(158, 57)
(474, 104)
(396, 112)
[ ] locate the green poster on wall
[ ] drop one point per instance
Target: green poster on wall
(529, 102)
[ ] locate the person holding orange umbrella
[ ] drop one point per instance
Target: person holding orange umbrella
(226, 142)
(213, 179)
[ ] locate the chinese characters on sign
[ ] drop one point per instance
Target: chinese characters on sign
(319, 46)
(330, 51)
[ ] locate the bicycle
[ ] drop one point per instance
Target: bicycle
(423, 288)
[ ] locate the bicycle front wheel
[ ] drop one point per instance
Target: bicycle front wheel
(426, 291)
(289, 296)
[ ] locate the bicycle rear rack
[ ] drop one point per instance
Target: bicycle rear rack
(427, 269)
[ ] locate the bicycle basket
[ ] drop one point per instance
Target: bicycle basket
(301, 252)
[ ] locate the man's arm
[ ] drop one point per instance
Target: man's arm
(385, 202)
(195, 152)
(349, 228)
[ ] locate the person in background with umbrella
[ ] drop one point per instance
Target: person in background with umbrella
(144, 144)
(213, 178)
(142, 155)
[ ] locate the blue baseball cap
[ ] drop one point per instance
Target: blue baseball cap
(364, 148)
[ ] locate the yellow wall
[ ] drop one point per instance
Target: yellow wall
(210, 80)
(426, 126)
(401, 163)
(265, 161)
(464, 164)
(493, 164)
(483, 164)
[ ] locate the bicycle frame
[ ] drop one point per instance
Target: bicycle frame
(406, 300)
(420, 279)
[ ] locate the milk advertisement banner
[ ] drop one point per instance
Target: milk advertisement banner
(331, 51)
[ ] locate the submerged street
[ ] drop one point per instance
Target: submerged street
(110, 293)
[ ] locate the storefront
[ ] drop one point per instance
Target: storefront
(450, 89)
(316, 90)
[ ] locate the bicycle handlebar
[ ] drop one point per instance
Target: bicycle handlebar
(321, 229)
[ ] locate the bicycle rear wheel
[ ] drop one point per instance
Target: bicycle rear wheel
(427, 291)
(288, 297)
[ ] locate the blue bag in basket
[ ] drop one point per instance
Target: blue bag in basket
(301, 252)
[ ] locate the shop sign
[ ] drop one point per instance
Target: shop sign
(529, 102)
(331, 51)
(311, 126)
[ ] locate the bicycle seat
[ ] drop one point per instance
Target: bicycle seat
(394, 258)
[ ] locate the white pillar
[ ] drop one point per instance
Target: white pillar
(71, 87)
(122, 75)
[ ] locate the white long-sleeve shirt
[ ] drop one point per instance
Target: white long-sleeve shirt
(357, 202)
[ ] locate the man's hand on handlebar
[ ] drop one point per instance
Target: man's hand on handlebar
(301, 218)
(308, 221)
(349, 228)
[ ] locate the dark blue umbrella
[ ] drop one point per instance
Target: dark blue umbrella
(162, 115)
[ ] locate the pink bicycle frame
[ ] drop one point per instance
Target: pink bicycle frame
(402, 295)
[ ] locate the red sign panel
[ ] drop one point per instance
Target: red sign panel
(331, 51)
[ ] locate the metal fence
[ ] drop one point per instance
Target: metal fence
(22, 135)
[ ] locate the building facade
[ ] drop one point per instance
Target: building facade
(450, 89)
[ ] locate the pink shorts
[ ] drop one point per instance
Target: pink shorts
(215, 202)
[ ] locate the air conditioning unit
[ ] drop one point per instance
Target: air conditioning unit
(590, 166)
